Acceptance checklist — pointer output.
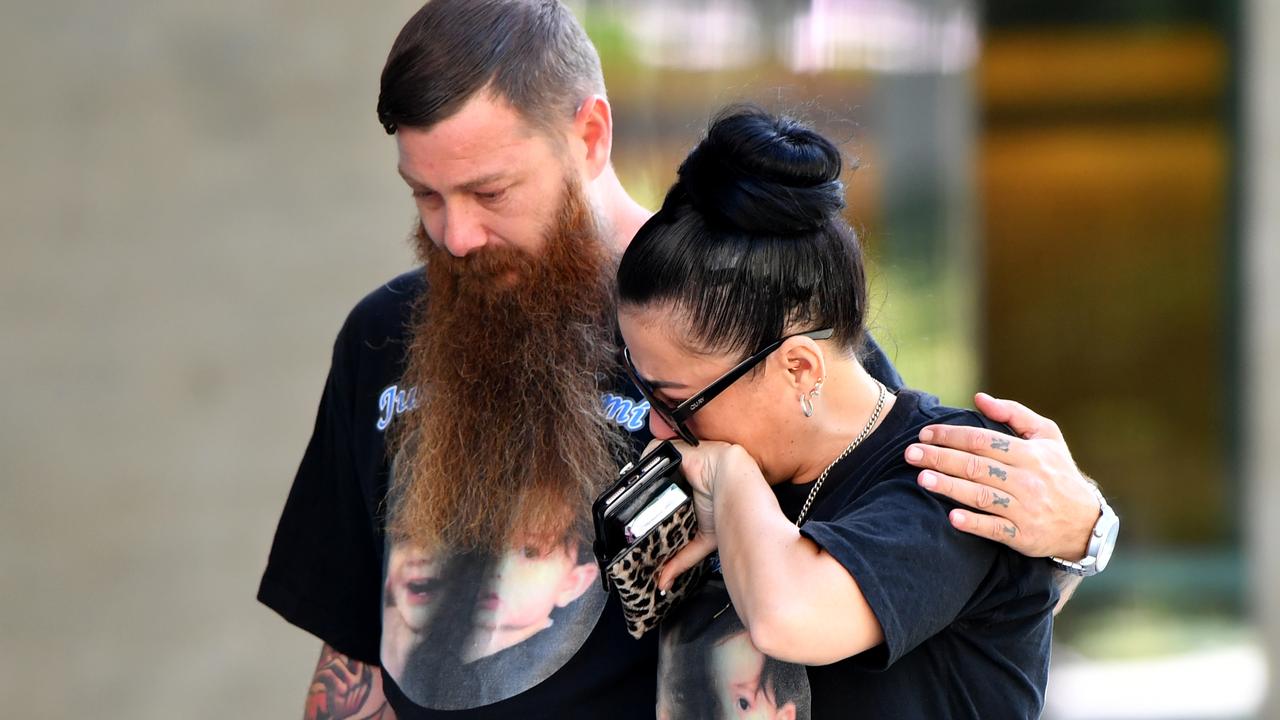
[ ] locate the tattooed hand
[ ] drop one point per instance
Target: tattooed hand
(1033, 497)
(345, 689)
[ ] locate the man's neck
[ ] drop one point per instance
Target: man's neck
(624, 214)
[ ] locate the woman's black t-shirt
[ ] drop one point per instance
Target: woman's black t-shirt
(967, 622)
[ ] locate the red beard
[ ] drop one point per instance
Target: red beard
(508, 353)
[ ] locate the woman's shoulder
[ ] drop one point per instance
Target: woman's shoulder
(923, 409)
(881, 461)
(877, 469)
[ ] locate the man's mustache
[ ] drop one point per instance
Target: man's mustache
(487, 269)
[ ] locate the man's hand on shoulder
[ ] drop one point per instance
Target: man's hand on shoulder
(346, 689)
(1031, 495)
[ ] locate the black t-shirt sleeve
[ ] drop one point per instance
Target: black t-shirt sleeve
(915, 570)
(324, 570)
(878, 365)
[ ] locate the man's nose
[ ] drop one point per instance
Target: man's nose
(462, 233)
(659, 428)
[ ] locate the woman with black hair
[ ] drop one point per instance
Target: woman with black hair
(742, 305)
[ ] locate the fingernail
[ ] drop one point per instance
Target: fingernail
(914, 454)
(959, 517)
(928, 480)
(926, 435)
(662, 592)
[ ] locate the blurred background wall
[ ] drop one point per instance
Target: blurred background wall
(1064, 203)
(194, 196)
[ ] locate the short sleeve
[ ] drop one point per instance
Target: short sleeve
(878, 365)
(324, 570)
(916, 571)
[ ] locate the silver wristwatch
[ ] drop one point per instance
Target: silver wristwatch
(1102, 542)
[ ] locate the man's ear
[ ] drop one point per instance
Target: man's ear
(576, 582)
(593, 124)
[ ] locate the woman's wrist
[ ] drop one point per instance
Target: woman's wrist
(736, 467)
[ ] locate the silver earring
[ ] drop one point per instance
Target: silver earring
(806, 401)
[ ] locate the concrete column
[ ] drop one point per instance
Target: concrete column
(1260, 280)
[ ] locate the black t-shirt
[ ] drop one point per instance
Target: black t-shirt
(967, 623)
(332, 573)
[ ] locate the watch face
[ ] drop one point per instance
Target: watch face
(1108, 545)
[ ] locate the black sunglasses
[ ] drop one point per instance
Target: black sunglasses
(678, 415)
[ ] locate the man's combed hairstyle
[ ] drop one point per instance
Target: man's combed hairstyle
(531, 53)
(750, 244)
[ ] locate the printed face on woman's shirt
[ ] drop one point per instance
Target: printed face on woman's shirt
(736, 667)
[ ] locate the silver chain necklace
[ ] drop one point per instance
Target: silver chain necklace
(817, 485)
(871, 423)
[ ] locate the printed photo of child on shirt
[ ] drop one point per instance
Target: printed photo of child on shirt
(462, 630)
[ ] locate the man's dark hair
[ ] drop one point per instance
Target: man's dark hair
(531, 53)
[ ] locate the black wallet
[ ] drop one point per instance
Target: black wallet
(640, 522)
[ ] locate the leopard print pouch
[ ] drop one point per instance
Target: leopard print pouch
(634, 573)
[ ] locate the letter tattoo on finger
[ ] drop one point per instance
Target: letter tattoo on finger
(998, 500)
(1011, 531)
(998, 473)
(1001, 444)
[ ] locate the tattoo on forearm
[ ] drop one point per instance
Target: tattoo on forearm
(997, 499)
(345, 689)
(1001, 444)
(998, 472)
(1011, 531)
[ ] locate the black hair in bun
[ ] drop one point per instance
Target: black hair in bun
(750, 244)
(764, 174)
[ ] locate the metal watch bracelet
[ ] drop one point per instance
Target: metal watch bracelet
(1102, 540)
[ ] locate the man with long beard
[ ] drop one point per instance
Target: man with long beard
(472, 410)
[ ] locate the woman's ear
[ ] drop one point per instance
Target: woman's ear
(804, 364)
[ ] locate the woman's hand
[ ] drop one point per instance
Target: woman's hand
(703, 466)
(797, 602)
